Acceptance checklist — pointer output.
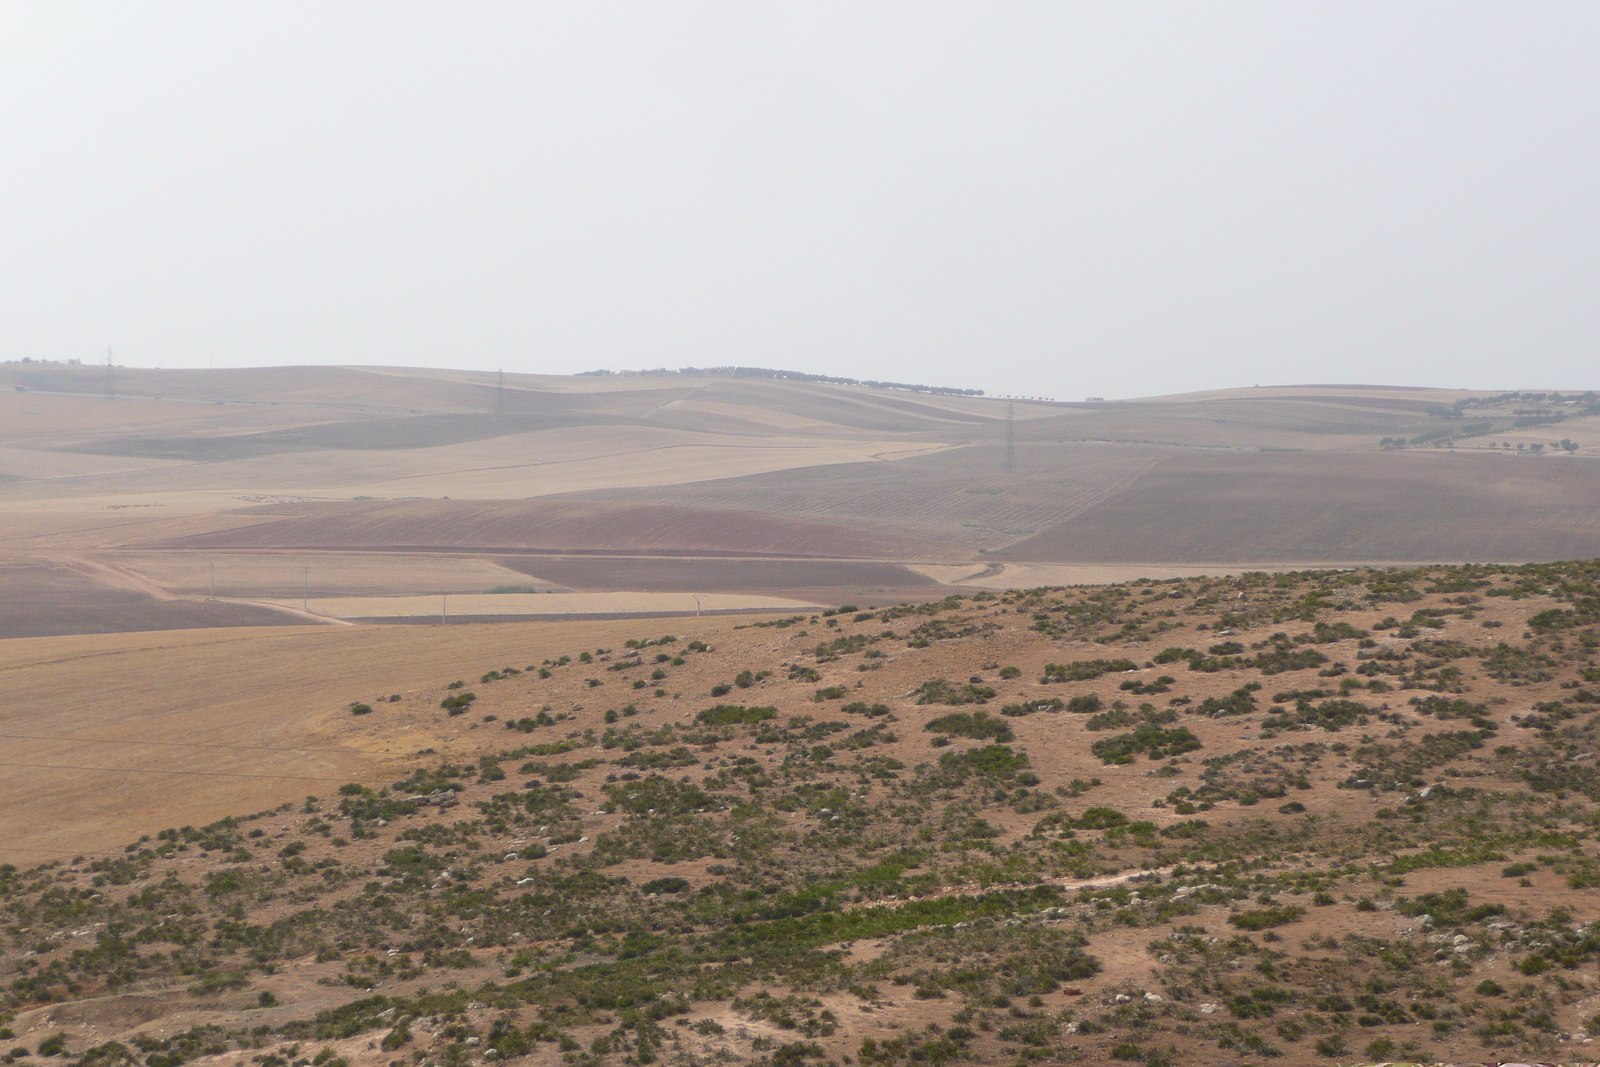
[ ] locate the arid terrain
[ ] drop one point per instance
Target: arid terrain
(364, 716)
(1311, 817)
(169, 499)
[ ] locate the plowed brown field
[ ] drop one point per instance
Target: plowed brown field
(1251, 507)
(42, 598)
(551, 525)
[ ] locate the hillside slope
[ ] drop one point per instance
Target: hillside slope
(1304, 817)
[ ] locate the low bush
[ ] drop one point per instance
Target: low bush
(1085, 670)
(939, 691)
(976, 725)
(734, 714)
(1152, 740)
(1266, 918)
(1030, 707)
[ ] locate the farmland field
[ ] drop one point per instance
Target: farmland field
(104, 734)
(43, 598)
(1315, 507)
(386, 482)
(544, 605)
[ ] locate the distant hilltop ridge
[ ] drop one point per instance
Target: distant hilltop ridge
(789, 375)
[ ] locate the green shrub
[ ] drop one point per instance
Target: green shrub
(1100, 819)
(939, 691)
(1030, 707)
(1085, 670)
(734, 715)
(659, 796)
(1332, 1045)
(1152, 740)
(1266, 918)
(977, 726)
(994, 762)
(1239, 702)
(666, 885)
(221, 882)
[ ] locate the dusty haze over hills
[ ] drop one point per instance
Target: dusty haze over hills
(245, 496)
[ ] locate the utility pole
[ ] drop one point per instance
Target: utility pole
(1011, 439)
(444, 609)
(213, 581)
(697, 598)
(305, 589)
(500, 394)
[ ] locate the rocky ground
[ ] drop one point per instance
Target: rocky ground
(1293, 818)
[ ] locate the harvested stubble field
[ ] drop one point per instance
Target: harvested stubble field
(104, 734)
(486, 605)
(320, 574)
(828, 577)
(1298, 818)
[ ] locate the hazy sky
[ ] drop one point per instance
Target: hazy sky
(1050, 199)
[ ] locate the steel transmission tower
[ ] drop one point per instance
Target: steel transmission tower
(1011, 439)
(500, 394)
(110, 388)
